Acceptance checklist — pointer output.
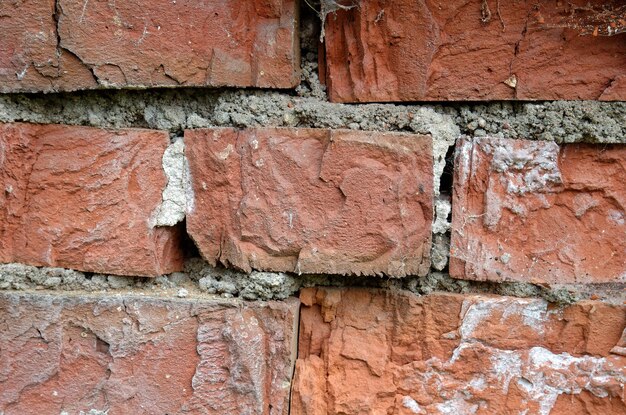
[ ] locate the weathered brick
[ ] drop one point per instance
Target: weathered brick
(141, 355)
(312, 200)
(145, 43)
(417, 50)
(534, 211)
(380, 352)
(84, 198)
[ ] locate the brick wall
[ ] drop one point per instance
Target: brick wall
(248, 207)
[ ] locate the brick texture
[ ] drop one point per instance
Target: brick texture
(138, 355)
(380, 352)
(145, 43)
(417, 50)
(534, 211)
(84, 198)
(312, 201)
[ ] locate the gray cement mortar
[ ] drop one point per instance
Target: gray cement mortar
(176, 110)
(201, 279)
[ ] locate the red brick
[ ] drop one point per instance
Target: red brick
(147, 43)
(380, 352)
(537, 212)
(312, 201)
(142, 355)
(416, 50)
(84, 198)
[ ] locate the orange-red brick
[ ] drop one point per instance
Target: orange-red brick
(140, 355)
(538, 212)
(84, 198)
(312, 200)
(147, 43)
(380, 352)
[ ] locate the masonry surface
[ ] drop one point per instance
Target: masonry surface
(316, 207)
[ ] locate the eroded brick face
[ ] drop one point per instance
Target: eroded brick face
(84, 198)
(418, 50)
(145, 43)
(138, 355)
(380, 352)
(539, 212)
(312, 201)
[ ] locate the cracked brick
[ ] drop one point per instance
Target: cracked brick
(136, 354)
(68, 45)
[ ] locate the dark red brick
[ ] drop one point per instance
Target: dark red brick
(417, 50)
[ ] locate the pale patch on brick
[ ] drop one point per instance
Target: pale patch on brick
(178, 195)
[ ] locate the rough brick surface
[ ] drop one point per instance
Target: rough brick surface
(143, 43)
(84, 198)
(534, 211)
(312, 201)
(138, 355)
(415, 50)
(381, 352)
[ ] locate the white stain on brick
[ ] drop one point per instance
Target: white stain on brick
(506, 365)
(457, 405)
(410, 404)
(464, 157)
(530, 168)
(534, 312)
(540, 374)
(547, 375)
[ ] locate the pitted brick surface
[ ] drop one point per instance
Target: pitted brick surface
(384, 352)
(539, 212)
(312, 201)
(70, 45)
(84, 198)
(135, 355)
